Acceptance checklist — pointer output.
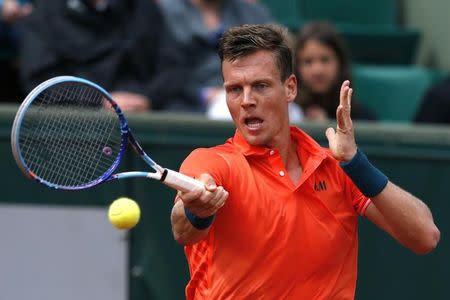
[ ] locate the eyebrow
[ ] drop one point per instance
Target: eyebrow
(257, 80)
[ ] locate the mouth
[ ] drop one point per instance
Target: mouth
(253, 123)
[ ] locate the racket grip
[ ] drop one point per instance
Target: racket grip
(180, 182)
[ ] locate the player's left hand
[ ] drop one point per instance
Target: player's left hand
(342, 141)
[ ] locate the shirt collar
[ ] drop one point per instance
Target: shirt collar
(300, 137)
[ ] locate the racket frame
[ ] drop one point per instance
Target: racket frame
(169, 177)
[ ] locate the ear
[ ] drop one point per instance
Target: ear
(290, 87)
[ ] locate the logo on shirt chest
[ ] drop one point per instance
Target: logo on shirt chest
(320, 186)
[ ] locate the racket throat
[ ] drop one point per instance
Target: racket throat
(164, 175)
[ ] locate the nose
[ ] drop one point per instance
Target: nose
(247, 98)
(317, 67)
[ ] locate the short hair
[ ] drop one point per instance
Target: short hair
(240, 41)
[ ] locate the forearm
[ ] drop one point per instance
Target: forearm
(396, 211)
(183, 232)
(406, 218)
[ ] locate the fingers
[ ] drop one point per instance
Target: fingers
(189, 196)
(204, 203)
(343, 92)
(343, 111)
(221, 196)
(346, 94)
(209, 182)
(340, 118)
(331, 136)
(210, 203)
(349, 98)
(210, 186)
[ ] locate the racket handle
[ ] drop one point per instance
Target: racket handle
(180, 182)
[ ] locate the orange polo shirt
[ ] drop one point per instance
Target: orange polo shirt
(274, 239)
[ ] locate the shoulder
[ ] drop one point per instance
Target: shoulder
(225, 153)
(207, 155)
(216, 161)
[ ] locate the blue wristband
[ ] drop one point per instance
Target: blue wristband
(197, 222)
(368, 179)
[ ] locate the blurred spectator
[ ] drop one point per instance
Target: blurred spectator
(114, 43)
(322, 64)
(197, 26)
(12, 13)
(12, 10)
(435, 107)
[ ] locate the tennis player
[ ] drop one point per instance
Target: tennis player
(278, 218)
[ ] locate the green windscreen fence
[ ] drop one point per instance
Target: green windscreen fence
(416, 158)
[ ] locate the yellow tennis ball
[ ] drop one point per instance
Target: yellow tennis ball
(124, 213)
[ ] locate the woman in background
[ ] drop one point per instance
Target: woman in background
(322, 63)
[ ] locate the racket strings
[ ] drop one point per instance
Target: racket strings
(62, 164)
(47, 130)
(91, 145)
(68, 136)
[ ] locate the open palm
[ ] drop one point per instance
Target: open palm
(342, 141)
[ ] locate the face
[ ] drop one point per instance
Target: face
(258, 99)
(318, 66)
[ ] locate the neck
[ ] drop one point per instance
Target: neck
(283, 143)
(288, 152)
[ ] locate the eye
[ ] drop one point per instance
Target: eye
(234, 89)
(325, 59)
(260, 86)
(306, 61)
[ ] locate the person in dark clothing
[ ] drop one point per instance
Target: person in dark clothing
(322, 64)
(435, 107)
(113, 43)
(12, 13)
(196, 27)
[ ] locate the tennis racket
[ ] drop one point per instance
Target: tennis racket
(69, 134)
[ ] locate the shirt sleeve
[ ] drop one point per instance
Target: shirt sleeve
(359, 201)
(206, 160)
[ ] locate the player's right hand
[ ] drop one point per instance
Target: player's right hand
(204, 203)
